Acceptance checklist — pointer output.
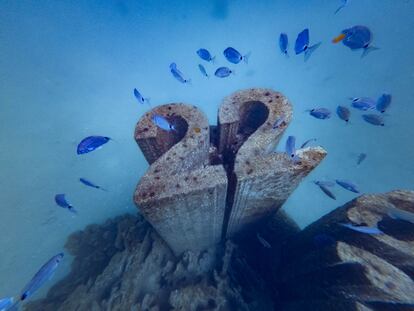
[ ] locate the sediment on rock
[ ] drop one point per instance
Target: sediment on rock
(124, 265)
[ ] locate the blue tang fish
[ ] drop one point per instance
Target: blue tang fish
(343, 113)
(42, 276)
(233, 56)
(178, 74)
(302, 44)
(347, 185)
(290, 146)
(363, 103)
(383, 102)
(283, 43)
(62, 202)
(162, 123)
(320, 113)
(362, 229)
(374, 119)
(91, 143)
(90, 184)
(205, 55)
(356, 38)
(5, 303)
(203, 70)
(140, 98)
(223, 72)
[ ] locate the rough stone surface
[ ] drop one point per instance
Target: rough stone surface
(181, 195)
(260, 180)
(373, 270)
(124, 265)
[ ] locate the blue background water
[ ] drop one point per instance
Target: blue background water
(67, 70)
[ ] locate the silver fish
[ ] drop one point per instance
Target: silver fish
(362, 229)
(307, 142)
(363, 103)
(384, 102)
(203, 70)
(279, 121)
(42, 276)
(347, 185)
(373, 119)
(361, 158)
(263, 241)
(396, 213)
(324, 183)
(320, 113)
(343, 113)
(327, 192)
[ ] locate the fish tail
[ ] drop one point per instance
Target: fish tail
(213, 60)
(188, 81)
(103, 189)
(246, 57)
(310, 50)
(148, 100)
(368, 50)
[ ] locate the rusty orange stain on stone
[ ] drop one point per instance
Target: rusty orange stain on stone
(197, 130)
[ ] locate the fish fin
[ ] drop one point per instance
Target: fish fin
(246, 57)
(368, 50)
(311, 49)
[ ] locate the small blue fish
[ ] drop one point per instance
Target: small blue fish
(203, 70)
(178, 74)
(343, 4)
(61, 201)
(396, 213)
(324, 183)
(358, 37)
(90, 184)
(322, 240)
(327, 192)
(205, 55)
(283, 43)
(91, 143)
(307, 142)
(223, 72)
(279, 121)
(162, 123)
(290, 147)
(383, 102)
(140, 98)
(302, 44)
(362, 229)
(42, 276)
(263, 241)
(343, 113)
(233, 56)
(347, 185)
(374, 119)
(363, 103)
(361, 157)
(320, 113)
(5, 303)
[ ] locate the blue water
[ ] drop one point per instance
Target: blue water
(68, 68)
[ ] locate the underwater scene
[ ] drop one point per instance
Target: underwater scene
(212, 155)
